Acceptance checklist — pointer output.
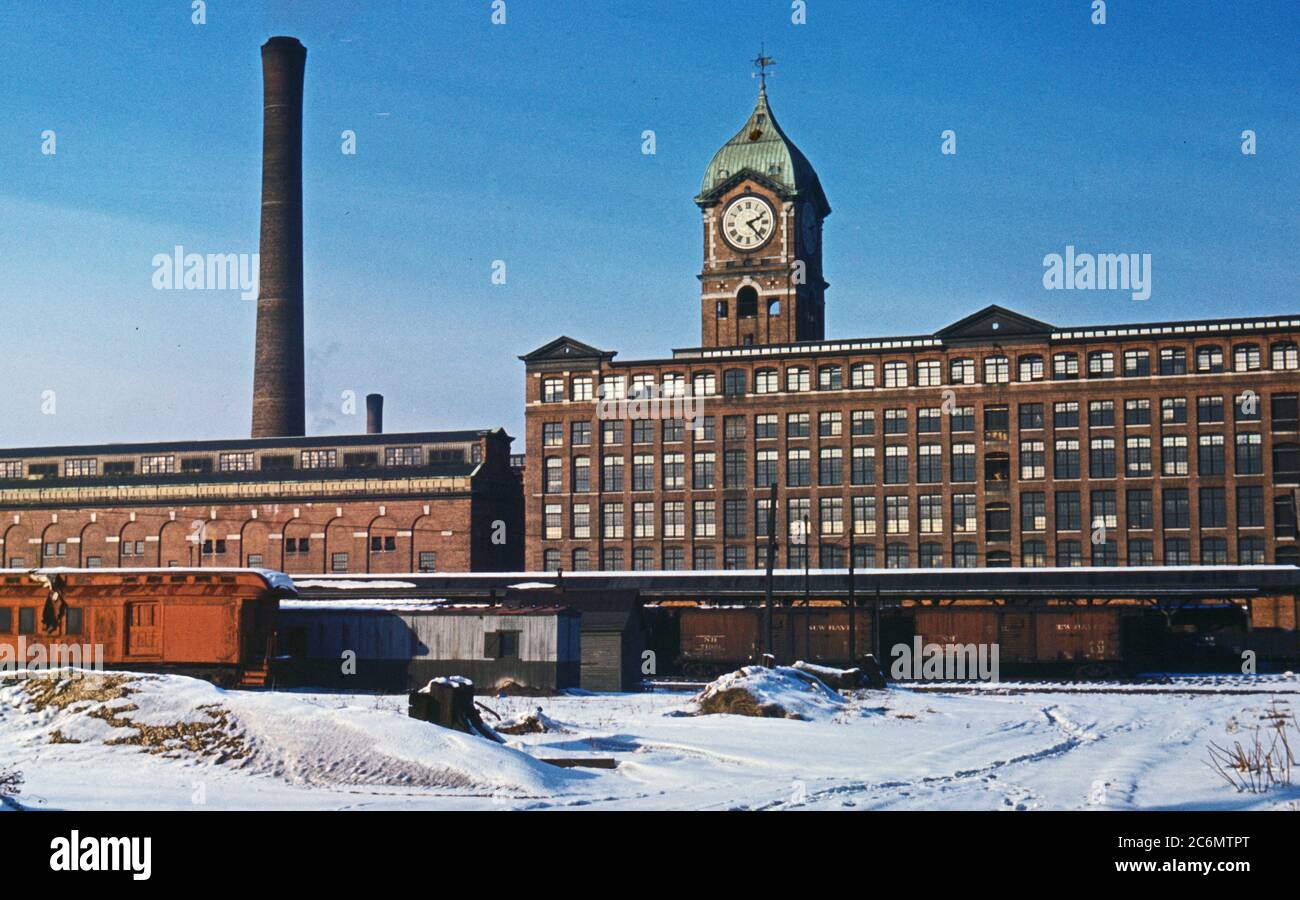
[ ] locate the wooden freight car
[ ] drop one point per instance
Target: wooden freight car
(712, 640)
(1081, 640)
(212, 623)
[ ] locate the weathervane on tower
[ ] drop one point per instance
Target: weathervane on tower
(762, 62)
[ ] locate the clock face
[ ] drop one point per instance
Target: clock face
(748, 222)
(808, 228)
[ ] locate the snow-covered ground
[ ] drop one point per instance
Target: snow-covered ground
(183, 743)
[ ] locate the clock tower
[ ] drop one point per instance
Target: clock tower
(763, 208)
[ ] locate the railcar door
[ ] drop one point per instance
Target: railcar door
(143, 631)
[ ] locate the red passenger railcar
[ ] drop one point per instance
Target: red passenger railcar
(217, 624)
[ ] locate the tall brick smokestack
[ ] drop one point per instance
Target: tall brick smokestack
(279, 408)
(374, 413)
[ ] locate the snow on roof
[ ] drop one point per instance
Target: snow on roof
(352, 584)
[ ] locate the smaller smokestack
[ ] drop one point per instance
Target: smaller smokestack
(374, 413)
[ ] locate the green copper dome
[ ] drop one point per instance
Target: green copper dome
(762, 149)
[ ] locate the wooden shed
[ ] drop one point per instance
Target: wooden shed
(401, 644)
(613, 637)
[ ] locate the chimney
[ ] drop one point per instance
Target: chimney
(374, 413)
(279, 409)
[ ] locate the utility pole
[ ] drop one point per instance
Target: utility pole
(853, 601)
(807, 594)
(771, 560)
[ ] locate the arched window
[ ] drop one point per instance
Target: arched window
(1286, 356)
(734, 382)
(895, 374)
(961, 371)
(1031, 367)
(1209, 359)
(773, 307)
(1246, 358)
(747, 302)
(1065, 366)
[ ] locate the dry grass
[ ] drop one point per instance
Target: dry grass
(1265, 759)
(62, 692)
(740, 702)
(218, 736)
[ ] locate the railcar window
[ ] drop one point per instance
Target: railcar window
(73, 623)
(27, 620)
(6, 620)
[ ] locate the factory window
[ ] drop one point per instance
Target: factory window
(319, 459)
(1065, 366)
(157, 465)
(1065, 414)
(1101, 364)
(895, 421)
(27, 620)
(929, 373)
(214, 547)
(997, 370)
(338, 562)
(254, 560)
(705, 383)
(1286, 356)
(94, 562)
(961, 371)
(798, 378)
(11, 468)
(862, 375)
(383, 544)
(1137, 363)
(552, 390)
(965, 555)
(56, 548)
(1173, 410)
(582, 387)
(997, 423)
(830, 378)
(1033, 554)
(642, 559)
(1141, 552)
(1209, 359)
(17, 562)
(360, 460)
(1173, 454)
(1285, 412)
(1031, 368)
(297, 545)
(895, 374)
(1246, 358)
(80, 468)
(132, 548)
(1286, 463)
(239, 461)
(403, 456)
(1137, 412)
(1209, 410)
(1173, 361)
(766, 381)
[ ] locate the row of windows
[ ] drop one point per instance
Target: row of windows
(1175, 551)
(1136, 412)
(235, 461)
(731, 517)
(858, 463)
(1065, 365)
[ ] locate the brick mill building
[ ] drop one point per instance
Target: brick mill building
(369, 503)
(356, 503)
(999, 440)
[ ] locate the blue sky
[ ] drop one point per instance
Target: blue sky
(522, 142)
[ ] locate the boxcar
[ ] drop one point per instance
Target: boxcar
(719, 639)
(217, 624)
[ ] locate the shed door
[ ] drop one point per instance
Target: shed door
(143, 631)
